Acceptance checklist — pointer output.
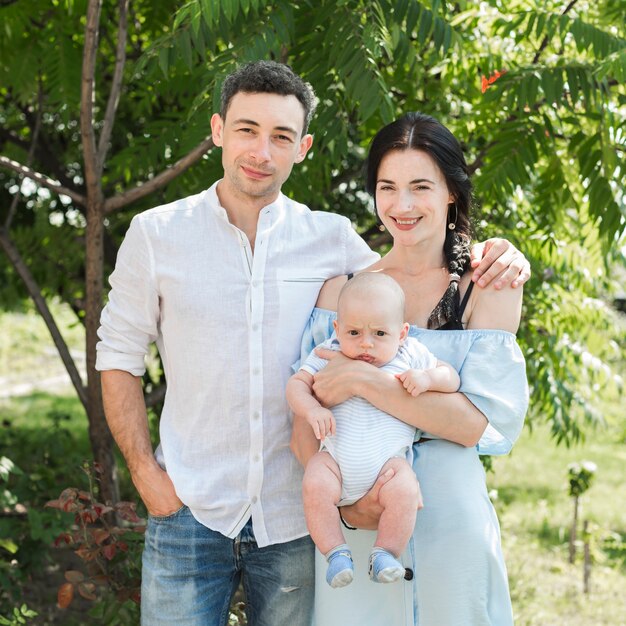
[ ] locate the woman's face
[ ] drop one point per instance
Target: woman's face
(412, 197)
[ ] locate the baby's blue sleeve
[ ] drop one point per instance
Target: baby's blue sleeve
(318, 329)
(493, 377)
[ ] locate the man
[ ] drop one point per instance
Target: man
(224, 282)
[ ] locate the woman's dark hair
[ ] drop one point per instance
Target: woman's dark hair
(417, 131)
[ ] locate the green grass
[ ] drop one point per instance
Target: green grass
(25, 343)
(535, 513)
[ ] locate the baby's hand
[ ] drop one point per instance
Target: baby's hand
(322, 422)
(415, 381)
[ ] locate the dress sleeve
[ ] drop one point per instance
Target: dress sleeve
(129, 321)
(493, 377)
(318, 329)
(313, 363)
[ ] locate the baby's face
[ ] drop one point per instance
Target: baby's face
(369, 330)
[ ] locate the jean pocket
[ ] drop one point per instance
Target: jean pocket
(163, 518)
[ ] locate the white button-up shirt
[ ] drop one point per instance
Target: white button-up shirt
(227, 324)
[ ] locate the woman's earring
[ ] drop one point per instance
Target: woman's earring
(452, 223)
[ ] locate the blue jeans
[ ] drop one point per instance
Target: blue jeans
(190, 573)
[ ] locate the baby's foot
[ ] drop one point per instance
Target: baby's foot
(340, 567)
(384, 567)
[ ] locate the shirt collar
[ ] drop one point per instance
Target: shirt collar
(276, 208)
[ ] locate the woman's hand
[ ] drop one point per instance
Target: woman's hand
(499, 260)
(365, 513)
(337, 381)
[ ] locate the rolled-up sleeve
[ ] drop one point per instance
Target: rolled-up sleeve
(129, 321)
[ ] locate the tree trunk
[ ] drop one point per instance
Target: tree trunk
(587, 560)
(572, 534)
(99, 433)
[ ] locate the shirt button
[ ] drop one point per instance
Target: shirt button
(256, 371)
(254, 499)
(256, 415)
(257, 458)
(255, 327)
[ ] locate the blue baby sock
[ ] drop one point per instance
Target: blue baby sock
(384, 567)
(340, 567)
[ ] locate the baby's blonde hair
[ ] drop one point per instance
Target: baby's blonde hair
(374, 284)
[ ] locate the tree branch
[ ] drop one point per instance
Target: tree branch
(144, 189)
(87, 94)
(45, 153)
(40, 302)
(43, 180)
(29, 160)
(8, 135)
(546, 39)
(116, 86)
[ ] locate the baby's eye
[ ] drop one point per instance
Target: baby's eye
(353, 333)
(380, 333)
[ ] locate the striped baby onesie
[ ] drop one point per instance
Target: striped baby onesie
(366, 437)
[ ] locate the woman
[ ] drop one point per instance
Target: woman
(417, 174)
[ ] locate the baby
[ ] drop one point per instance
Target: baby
(358, 441)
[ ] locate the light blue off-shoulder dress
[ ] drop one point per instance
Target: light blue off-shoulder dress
(459, 575)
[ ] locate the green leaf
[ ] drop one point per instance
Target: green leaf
(426, 20)
(413, 15)
(164, 60)
(182, 14)
(185, 48)
(541, 22)
(9, 545)
(549, 87)
(208, 13)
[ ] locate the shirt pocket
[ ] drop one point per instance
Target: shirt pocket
(297, 294)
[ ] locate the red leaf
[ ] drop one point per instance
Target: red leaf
(122, 545)
(86, 554)
(135, 596)
(65, 595)
(485, 82)
(100, 534)
(67, 499)
(84, 495)
(101, 509)
(87, 590)
(62, 538)
(74, 576)
(101, 579)
(109, 551)
(126, 510)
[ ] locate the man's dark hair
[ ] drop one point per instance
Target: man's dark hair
(268, 77)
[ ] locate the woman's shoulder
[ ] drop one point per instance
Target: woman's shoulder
(329, 294)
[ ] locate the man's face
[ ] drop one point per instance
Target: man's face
(261, 138)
